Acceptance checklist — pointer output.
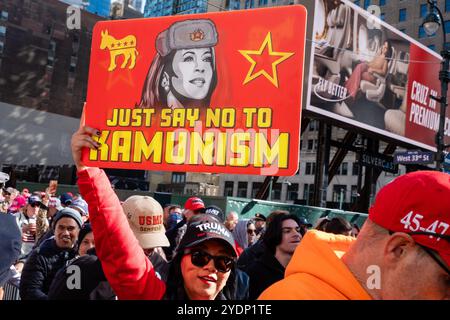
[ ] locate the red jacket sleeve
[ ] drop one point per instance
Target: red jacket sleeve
(129, 272)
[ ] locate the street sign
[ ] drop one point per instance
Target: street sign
(381, 161)
(414, 157)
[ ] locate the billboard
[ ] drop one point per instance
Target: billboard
(366, 73)
(217, 92)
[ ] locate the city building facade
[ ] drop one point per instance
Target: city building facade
(407, 16)
(44, 66)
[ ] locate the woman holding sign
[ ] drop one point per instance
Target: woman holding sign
(183, 71)
(203, 267)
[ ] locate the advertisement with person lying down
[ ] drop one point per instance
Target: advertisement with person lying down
(368, 74)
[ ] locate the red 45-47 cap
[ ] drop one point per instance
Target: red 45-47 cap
(417, 203)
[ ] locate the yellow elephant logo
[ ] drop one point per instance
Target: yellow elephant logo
(125, 46)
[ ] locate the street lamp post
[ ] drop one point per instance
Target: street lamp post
(431, 25)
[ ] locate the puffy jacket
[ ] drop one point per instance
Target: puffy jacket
(129, 272)
(40, 269)
(316, 272)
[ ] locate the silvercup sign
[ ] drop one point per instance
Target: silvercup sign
(379, 161)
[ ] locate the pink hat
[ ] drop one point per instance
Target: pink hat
(18, 203)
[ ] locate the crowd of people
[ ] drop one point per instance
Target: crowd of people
(92, 246)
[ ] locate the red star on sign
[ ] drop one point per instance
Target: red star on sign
(263, 57)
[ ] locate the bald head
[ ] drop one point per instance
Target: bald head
(231, 220)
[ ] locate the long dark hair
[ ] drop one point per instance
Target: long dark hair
(154, 94)
(274, 233)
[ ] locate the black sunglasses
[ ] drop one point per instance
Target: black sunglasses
(250, 231)
(200, 258)
(35, 204)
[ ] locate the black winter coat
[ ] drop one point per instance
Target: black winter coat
(263, 273)
(250, 255)
(92, 284)
(40, 269)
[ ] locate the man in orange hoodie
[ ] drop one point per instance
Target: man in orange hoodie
(402, 251)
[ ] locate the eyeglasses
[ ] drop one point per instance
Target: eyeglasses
(251, 231)
(200, 258)
(34, 204)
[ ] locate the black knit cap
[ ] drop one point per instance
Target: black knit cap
(83, 232)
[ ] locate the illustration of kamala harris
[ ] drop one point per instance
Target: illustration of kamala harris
(183, 71)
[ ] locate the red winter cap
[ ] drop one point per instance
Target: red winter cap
(194, 204)
(417, 203)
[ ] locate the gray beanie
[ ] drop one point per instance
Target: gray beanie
(68, 213)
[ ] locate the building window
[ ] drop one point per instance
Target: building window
(423, 10)
(339, 192)
(313, 125)
(422, 33)
(447, 26)
(383, 16)
(355, 169)
(292, 191)
(178, 177)
(344, 168)
(310, 168)
(4, 16)
(242, 189)
(382, 2)
(308, 193)
(366, 4)
(255, 188)
(228, 189)
(432, 47)
(2, 30)
(403, 30)
(402, 15)
(276, 191)
(357, 2)
(447, 5)
(310, 144)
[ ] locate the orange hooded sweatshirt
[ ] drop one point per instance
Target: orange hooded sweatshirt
(316, 272)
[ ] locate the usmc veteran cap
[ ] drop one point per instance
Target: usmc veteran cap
(187, 34)
(145, 217)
